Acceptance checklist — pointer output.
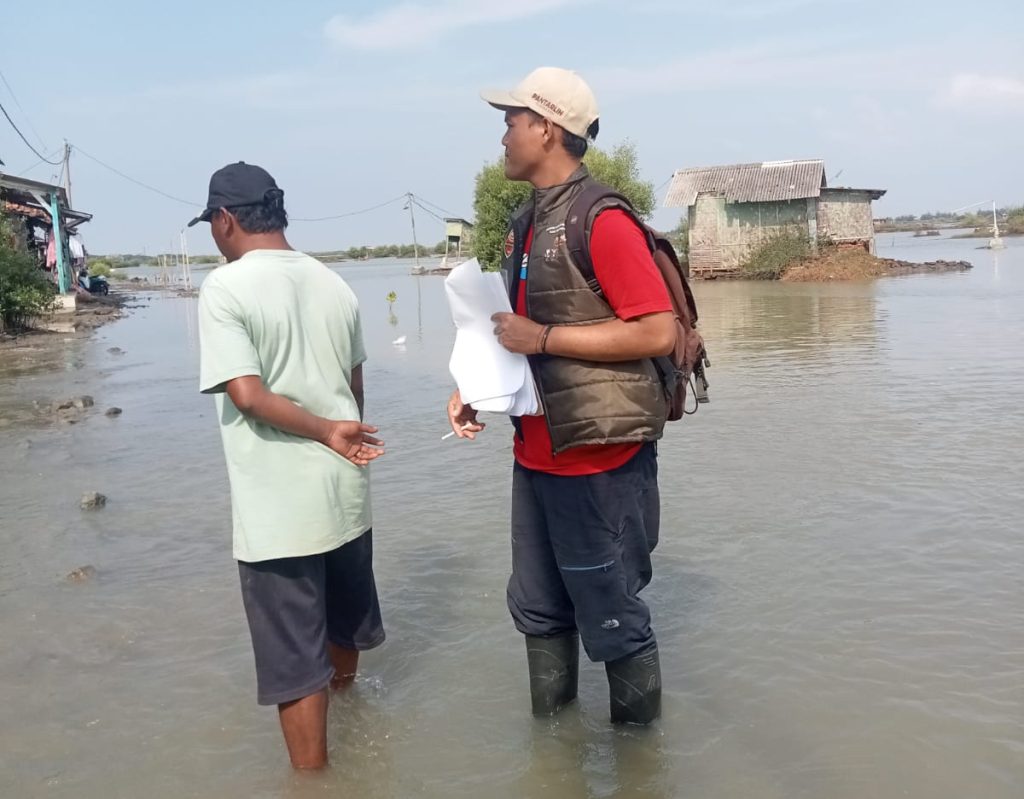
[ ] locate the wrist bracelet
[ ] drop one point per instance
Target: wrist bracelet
(544, 338)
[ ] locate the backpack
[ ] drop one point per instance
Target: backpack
(685, 365)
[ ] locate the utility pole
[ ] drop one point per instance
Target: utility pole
(994, 243)
(186, 265)
(67, 171)
(415, 244)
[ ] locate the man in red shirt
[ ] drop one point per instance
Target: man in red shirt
(585, 507)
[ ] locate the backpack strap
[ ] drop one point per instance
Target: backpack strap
(688, 356)
(580, 222)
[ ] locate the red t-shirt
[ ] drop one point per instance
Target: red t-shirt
(633, 287)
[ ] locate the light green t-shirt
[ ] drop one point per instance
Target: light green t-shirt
(287, 318)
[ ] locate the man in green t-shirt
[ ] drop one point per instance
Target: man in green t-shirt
(282, 351)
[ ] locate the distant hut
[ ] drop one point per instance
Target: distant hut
(734, 209)
(458, 237)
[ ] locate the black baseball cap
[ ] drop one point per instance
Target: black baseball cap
(234, 185)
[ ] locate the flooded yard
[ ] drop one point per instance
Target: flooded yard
(837, 591)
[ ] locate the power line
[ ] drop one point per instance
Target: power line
(130, 179)
(433, 205)
(37, 163)
(424, 208)
(348, 213)
(23, 111)
(148, 187)
(195, 205)
(27, 142)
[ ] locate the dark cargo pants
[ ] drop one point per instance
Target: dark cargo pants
(581, 554)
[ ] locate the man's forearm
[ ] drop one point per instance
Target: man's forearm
(357, 389)
(280, 412)
(615, 340)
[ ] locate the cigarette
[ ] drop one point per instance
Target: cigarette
(449, 435)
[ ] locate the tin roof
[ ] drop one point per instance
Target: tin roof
(769, 181)
(27, 186)
(19, 197)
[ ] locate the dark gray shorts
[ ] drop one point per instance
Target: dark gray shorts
(581, 554)
(296, 605)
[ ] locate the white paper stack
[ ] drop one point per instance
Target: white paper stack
(489, 377)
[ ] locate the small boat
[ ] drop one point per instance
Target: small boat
(443, 268)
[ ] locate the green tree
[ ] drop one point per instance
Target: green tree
(494, 200)
(680, 237)
(25, 290)
(620, 170)
(1015, 221)
(496, 197)
(100, 267)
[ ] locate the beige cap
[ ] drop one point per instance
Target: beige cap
(556, 94)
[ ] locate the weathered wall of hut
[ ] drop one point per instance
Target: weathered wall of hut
(705, 219)
(844, 215)
(723, 235)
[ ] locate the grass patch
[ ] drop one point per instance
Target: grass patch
(770, 260)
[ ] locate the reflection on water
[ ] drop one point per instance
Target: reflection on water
(785, 320)
(836, 593)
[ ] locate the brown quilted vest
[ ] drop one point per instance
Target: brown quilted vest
(585, 402)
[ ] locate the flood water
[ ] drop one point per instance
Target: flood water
(837, 593)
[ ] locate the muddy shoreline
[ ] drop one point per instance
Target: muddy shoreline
(863, 266)
(95, 310)
(91, 313)
(31, 352)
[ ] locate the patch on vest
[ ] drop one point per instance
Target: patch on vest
(558, 231)
(510, 243)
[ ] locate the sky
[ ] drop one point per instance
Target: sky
(350, 105)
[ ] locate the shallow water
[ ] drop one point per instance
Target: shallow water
(837, 592)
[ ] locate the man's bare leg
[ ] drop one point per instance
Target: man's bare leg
(345, 662)
(304, 724)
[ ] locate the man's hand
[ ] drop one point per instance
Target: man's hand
(352, 440)
(517, 333)
(463, 417)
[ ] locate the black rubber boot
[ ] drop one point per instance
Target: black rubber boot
(554, 664)
(634, 687)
